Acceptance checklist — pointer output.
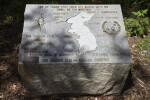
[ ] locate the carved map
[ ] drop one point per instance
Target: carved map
(85, 34)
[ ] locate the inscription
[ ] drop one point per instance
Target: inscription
(74, 34)
(101, 59)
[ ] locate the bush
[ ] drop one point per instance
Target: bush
(139, 25)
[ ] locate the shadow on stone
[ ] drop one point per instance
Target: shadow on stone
(64, 79)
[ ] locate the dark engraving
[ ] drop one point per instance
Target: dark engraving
(41, 21)
(44, 60)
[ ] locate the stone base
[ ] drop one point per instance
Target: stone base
(96, 79)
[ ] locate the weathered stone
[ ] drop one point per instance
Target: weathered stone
(102, 79)
(74, 49)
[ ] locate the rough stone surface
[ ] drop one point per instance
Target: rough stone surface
(74, 49)
(101, 79)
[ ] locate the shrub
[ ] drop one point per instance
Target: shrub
(139, 25)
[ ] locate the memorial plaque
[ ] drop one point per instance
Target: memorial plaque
(81, 49)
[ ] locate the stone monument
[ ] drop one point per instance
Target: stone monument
(74, 49)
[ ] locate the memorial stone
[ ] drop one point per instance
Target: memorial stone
(74, 49)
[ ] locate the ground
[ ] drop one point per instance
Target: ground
(137, 86)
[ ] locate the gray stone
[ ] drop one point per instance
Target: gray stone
(74, 49)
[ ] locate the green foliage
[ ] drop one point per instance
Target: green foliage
(138, 25)
(9, 19)
(53, 2)
(76, 1)
(132, 68)
(144, 46)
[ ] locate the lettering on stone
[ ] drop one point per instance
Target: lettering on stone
(73, 34)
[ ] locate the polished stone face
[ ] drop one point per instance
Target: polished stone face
(74, 49)
(74, 34)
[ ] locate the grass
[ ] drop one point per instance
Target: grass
(144, 46)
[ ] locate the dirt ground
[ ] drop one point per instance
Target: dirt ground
(137, 86)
